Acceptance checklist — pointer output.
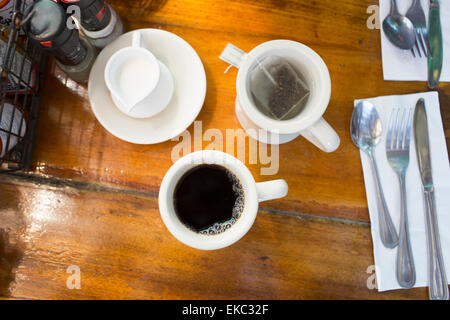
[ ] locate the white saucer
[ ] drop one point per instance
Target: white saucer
(188, 96)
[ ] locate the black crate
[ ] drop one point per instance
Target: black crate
(21, 82)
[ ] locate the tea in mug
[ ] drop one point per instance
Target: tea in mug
(277, 89)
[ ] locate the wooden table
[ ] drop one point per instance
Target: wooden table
(91, 199)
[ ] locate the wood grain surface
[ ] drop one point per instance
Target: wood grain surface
(124, 252)
(91, 199)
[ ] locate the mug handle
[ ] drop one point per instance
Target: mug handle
(322, 135)
(271, 190)
(233, 55)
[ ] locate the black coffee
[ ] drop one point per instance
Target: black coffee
(208, 199)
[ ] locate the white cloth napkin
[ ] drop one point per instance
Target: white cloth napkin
(400, 64)
(385, 258)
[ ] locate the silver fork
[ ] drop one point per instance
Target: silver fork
(397, 152)
(417, 16)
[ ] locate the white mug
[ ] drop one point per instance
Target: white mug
(253, 194)
(140, 85)
(309, 123)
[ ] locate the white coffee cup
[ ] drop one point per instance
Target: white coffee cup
(253, 194)
(140, 85)
(309, 123)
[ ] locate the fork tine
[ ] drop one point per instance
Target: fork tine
(422, 42)
(408, 128)
(403, 128)
(390, 130)
(427, 42)
(413, 53)
(417, 43)
(397, 129)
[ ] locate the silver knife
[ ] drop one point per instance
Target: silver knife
(435, 39)
(438, 289)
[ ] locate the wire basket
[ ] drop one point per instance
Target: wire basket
(21, 79)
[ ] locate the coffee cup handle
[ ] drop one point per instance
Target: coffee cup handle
(271, 190)
(322, 135)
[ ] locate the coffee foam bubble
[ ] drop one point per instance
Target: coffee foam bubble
(238, 208)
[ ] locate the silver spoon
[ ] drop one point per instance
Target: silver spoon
(365, 128)
(399, 29)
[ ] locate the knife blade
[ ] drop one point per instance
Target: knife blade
(423, 144)
(436, 46)
(438, 288)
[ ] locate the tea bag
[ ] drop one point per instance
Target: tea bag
(277, 89)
